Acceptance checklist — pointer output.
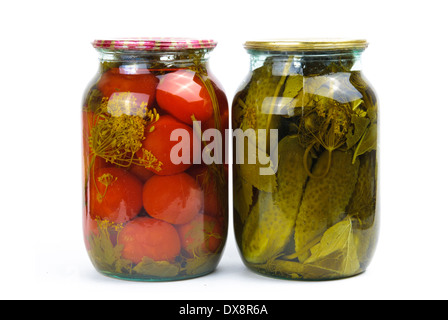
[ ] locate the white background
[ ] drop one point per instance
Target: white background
(46, 61)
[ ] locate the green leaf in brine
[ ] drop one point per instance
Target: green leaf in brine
(337, 250)
(368, 141)
(243, 197)
(302, 93)
(200, 264)
(102, 251)
(357, 107)
(94, 100)
(358, 129)
(160, 269)
(251, 172)
(293, 96)
(123, 266)
(296, 270)
(293, 86)
(369, 98)
(283, 268)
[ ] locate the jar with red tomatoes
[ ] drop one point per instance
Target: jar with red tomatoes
(155, 179)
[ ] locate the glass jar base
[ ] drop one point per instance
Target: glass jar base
(142, 278)
(162, 271)
(297, 276)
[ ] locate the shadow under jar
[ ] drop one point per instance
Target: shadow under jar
(305, 206)
(154, 209)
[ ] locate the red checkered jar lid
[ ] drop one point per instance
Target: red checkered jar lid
(154, 44)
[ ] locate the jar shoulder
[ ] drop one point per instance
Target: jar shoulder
(140, 79)
(290, 94)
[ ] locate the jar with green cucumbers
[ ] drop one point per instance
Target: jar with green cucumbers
(306, 169)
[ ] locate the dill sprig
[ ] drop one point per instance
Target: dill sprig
(119, 129)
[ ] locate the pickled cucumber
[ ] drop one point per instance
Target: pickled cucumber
(362, 203)
(315, 219)
(260, 104)
(263, 87)
(325, 199)
(362, 206)
(270, 224)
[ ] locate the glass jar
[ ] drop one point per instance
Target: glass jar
(305, 160)
(155, 207)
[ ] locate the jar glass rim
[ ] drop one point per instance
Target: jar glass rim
(306, 44)
(154, 44)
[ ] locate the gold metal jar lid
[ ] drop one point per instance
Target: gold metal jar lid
(306, 44)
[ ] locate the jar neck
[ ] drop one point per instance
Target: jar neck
(308, 63)
(131, 60)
